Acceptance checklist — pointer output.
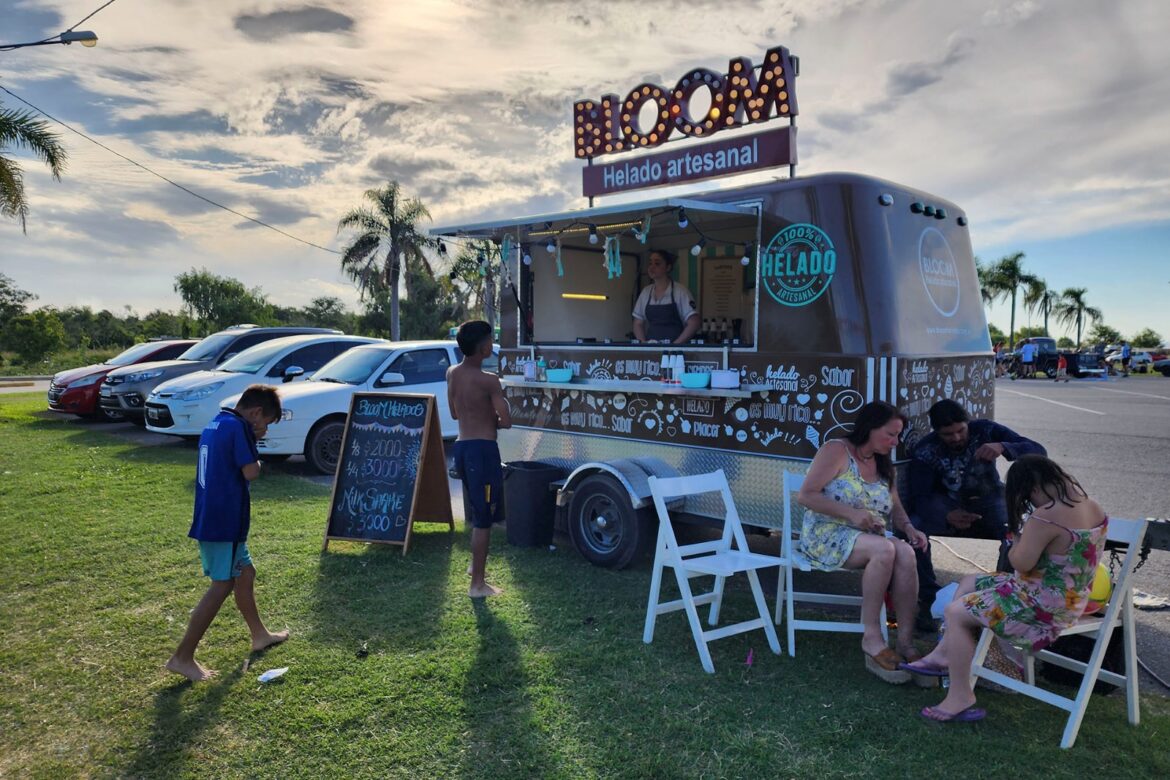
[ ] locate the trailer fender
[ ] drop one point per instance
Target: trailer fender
(633, 474)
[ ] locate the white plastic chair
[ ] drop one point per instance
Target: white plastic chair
(788, 597)
(720, 558)
(1118, 613)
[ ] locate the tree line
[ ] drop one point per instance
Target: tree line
(1006, 280)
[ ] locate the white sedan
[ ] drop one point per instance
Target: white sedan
(315, 411)
(185, 405)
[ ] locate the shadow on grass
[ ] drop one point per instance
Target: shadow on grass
(374, 596)
(176, 728)
(504, 737)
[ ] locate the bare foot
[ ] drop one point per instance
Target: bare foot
(192, 670)
(482, 591)
(273, 638)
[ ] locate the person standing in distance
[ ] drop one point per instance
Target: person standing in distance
(228, 462)
(1126, 356)
(477, 402)
(664, 311)
(1028, 360)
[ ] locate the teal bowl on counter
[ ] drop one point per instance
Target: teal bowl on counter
(559, 374)
(696, 380)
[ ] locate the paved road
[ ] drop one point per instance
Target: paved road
(1113, 435)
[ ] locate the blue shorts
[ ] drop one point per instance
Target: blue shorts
(478, 463)
(224, 560)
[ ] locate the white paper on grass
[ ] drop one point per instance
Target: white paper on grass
(273, 674)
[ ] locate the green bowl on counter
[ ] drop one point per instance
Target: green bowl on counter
(559, 374)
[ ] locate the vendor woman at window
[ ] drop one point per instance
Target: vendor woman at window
(664, 311)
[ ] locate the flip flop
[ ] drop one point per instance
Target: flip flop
(925, 669)
(969, 715)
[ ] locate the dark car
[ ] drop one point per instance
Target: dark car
(1162, 366)
(75, 391)
(125, 389)
(1080, 364)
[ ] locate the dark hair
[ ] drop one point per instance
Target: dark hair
(870, 417)
(668, 257)
(471, 334)
(262, 397)
(947, 412)
(1036, 472)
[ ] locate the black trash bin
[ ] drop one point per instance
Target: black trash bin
(530, 505)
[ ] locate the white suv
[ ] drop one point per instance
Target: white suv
(185, 405)
(314, 411)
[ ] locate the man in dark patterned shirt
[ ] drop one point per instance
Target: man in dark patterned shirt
(955, 489)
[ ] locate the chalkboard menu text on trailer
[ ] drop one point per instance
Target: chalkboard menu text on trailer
(391, 473)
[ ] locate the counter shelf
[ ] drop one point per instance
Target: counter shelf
(637, 386)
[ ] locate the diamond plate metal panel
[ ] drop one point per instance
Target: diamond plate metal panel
(756, 481)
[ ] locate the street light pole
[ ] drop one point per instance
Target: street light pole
(86, 38)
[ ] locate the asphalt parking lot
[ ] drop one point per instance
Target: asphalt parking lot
(1113, 435)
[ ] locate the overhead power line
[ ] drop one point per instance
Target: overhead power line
(58, 35)
(152, 172)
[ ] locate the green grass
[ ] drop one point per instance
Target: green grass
(550, 680)
(11, 365)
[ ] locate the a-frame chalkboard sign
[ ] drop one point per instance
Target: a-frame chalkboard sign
(392, 473)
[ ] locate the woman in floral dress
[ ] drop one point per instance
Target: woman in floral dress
(849, 494)
(1054, 557)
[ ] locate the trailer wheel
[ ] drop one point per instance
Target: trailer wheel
(605, 528)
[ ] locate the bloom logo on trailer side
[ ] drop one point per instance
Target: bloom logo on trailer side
(940, 273)
(798, 264)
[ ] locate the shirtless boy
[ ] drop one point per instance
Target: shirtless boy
(477, 402)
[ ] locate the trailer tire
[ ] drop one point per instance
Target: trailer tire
(604, 526)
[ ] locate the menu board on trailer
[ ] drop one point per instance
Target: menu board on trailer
(721, 289)
(391, 473)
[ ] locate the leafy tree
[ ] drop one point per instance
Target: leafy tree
(386, 235)
(1003, 281)
(21, 130)
(221, 301)
(327, 312)
(1064, 342)
(1027, 332)
(1072, 309)
(12, 299)
(35, 335)
(160, 324)
(996, 334)
(1146, 338)
(1039, 298)
(431, 308)
(1103, 334)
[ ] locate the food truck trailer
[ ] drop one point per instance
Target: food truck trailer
(816, 295)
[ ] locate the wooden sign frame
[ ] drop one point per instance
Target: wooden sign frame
(430, 499)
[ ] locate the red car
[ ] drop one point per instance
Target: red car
(76, 391)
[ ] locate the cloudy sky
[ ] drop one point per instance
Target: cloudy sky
(1045, 119)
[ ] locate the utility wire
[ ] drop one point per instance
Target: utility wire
(92, 15)
(173, 183)
(58, 35)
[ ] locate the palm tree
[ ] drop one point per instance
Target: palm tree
(1007, 278)
(19, 129)
(1039, 298)
(388, 233)
(988, 289)
(1072, 309)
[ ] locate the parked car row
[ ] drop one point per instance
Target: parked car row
(316, 370)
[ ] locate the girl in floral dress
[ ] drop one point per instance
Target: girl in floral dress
(850, 499)
(1054, 557)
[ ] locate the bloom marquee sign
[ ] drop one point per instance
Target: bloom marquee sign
(738, 98)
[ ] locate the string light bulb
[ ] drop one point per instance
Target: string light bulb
(697, 248)
(551, 246)
(526, 257)
(593, 234)
(682, 217)
(747, 255)
(442, 249)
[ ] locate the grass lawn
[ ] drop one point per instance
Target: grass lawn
(394, 672)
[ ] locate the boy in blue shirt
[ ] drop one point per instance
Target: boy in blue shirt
(228, 461)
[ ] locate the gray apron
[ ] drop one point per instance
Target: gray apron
(662, 320)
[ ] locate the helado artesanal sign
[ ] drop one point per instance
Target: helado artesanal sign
(743, 96)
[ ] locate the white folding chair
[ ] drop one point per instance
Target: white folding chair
(1118, 613)
(720, 558)
(788, 597)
